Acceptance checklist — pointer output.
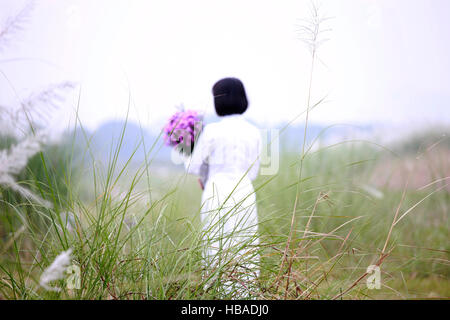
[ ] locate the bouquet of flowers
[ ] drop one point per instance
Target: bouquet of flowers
(182, 130)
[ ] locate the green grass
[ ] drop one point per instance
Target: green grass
(138, 233)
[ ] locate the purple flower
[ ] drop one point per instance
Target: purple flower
(182, 129)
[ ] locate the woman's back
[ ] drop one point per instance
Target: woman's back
(226, 156)
(232, 146)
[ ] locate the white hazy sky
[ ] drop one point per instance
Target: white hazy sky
(387, 61)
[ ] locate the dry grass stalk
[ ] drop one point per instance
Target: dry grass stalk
(14, 24)
(310, 32)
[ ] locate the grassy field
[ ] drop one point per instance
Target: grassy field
(135, 230)
(131, 230)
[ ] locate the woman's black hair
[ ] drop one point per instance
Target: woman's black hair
(229, 97)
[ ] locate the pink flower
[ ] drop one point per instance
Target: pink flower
(182, 130)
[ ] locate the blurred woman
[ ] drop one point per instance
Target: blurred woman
(226, 156)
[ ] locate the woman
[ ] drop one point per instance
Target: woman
(226, 156)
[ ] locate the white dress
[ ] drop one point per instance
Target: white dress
(226, 157)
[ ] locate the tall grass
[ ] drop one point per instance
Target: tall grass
(130, 247)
